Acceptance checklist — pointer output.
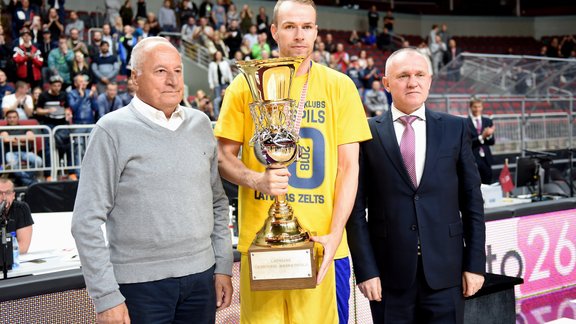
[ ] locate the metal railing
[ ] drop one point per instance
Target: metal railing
(69, 158)
(20, 154)
(521, 123)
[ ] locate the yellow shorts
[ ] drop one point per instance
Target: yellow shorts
(297, 306)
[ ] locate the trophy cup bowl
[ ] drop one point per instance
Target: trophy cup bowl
(275, 145)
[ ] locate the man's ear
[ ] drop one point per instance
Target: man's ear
(274, 32)
(386, 83)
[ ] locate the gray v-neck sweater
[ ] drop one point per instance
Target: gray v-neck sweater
(160, 195)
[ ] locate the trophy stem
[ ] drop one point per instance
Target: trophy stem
(280, 209)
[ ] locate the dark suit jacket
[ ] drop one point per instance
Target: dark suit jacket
(386, 243)
(448, 57)
(486, 122)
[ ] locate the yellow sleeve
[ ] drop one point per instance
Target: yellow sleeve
(231, 121)
(352, 125)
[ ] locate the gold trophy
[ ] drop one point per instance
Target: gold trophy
(282, 255)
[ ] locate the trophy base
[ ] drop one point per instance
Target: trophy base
(282, 268)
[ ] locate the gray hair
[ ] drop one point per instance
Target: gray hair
(142, 47)
(408, 50)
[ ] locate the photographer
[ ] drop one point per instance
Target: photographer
(19, 216)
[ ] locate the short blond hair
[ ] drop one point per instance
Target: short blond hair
(280, 2)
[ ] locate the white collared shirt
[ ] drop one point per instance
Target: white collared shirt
(157, 116)
(419, 126)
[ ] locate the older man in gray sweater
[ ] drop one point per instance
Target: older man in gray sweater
(151, 175)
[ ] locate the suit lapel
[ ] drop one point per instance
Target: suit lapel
(434, 132)
(387, 138)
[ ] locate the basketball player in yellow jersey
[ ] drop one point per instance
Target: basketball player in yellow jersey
(321, 186)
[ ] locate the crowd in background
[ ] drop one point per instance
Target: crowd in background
(58, 69)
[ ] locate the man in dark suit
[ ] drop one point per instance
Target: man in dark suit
(453, 62)
(421, 249)
(482, 135)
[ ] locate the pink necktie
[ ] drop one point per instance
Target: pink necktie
(408, 147)
(479, 129)
(478, 126)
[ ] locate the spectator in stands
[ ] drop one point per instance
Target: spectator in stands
(203, 103)
(188, 9)
(127, 13)
(384, 40)
(46, 45)
(375, 99)
(204, 33)
(36, 91)
(437, 49)
(36, 29)
(482, 136)
(424, 49)
(81, 101)
(354, 39)
(108, 100)
(317, 58)
(567, 45)
(105, 67)
(373, 18)
(76, 23)
(154, 24)
(453, 61)
(19, 214)
(28, 59)
(324, 54)
(369, 39)
(262, 21)
(362, 59)
(126, 96)
(60, 59)
(444, 34)
(219, 75)
(167, 17)
(329, 43)
(109, 37)
(233, 37)
(219, 14)
(245, 49)
(389, 21)
(543, 50)
(20, 101)
(94, 48)
(251, 36)
(205, 9)
(188, 28)
(80, 67)
(219, 44)
(6, 61)
(19, 148)
(432, 35)
(141, 9)
(75, 43)
(238, 56)
(260, 47)
(353, 72)
(246, 19)
(232, 14)
(5, 87)
(52, 109)
(59, 6)
(198, 262)
(370, 73)
(112, 10)
(405, 44)
(22, 14)
(340, 59)
(54, 24)
(553, 48)
(126, 43)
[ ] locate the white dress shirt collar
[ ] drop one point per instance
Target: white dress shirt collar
(420, 113)
(157, 116)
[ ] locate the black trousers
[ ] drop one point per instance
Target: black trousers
(419, 304)
(189, 299)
